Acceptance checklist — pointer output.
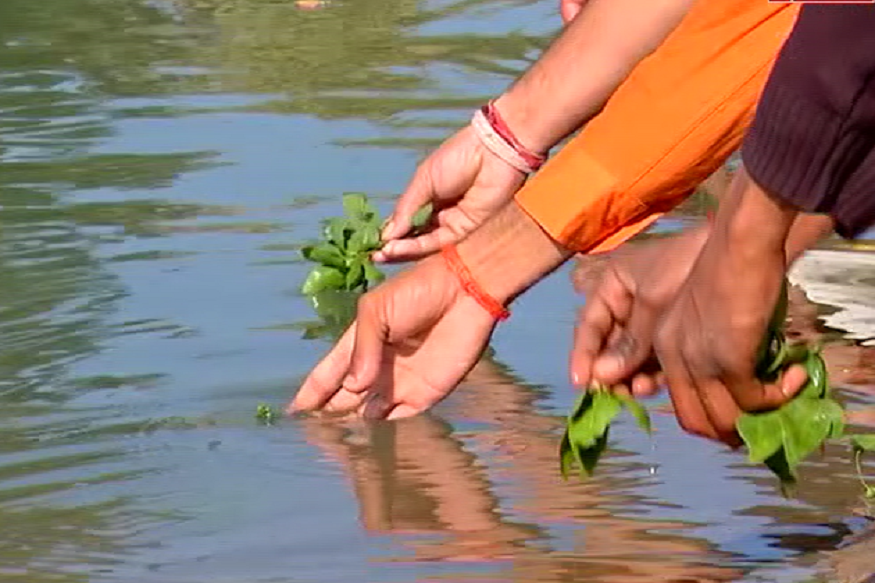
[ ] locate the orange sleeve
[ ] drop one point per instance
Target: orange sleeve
(673, 122)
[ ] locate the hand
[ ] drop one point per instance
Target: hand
(613, 338)
(414, 339)
(466, 185)
(707, 341)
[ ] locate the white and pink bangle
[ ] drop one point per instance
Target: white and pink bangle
(498, 139)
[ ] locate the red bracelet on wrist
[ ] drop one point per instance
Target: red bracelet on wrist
(470, 285)
(498, 139)
(501, 128)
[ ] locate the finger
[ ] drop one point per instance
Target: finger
(644, 385)
(690, 413)
(721, 409)
(751, 395)
(604, 311)
(344, 401)
(377, 407)
(418, 193)
(629, 353)
(569, 9)
(415, 247)
(325, 378)
(371, 333)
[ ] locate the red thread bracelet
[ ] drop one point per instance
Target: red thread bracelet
(490, 112)
(470, 285)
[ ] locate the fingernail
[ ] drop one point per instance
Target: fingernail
(575, 378)
(348, 382)
(389, 229)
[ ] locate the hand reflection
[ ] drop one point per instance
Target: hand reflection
(416, 476)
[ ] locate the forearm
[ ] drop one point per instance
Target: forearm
(510, 253)
(577, 74)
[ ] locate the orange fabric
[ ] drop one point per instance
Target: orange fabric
(673, 122)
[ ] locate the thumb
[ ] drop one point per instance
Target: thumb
(626, 354)
(418, 193)
(415, 248)
(371, 332)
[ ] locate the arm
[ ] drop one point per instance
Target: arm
(578, 73)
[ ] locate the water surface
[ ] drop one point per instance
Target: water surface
(160, 164)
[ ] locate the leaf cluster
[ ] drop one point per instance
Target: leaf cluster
(266, 414)
(783, 437)
(588, 426)
(343, 256)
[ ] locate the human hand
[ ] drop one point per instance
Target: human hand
(414, 338)
(613, 338)
(466, 185)
(708, 339)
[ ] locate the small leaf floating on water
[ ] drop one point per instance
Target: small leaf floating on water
(266, 414)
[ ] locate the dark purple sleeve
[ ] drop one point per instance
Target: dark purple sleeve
(812, 142)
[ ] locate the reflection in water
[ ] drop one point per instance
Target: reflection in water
(56, 295)
(360, 59)
(419, 477)
(99, 483)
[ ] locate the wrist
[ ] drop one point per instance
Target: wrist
(752, 221)
(526, 120)
(509, 254)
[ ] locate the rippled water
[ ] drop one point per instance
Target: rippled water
(160, 162)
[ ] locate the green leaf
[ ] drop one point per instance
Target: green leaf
(356, 274)
(364, 239)
(581, 405)
(322, 278)
(356, 206)
(817, 385)
(779, 466)
(325, 253)
(421, 217)
(588, 457)
(373, 275)
(592, 424)
(761, 433)
(337, 231)
(863, 442)
(566, 456)
(805, 427)
(638, 412)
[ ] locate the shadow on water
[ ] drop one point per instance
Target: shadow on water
(160, 163)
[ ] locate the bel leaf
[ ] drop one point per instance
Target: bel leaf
(321, 278)
(421, 217)
(638, 412)
(325, 253)
(357, 207)
(355, 275)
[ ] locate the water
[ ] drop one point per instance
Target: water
(160, 163)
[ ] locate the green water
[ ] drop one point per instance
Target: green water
(160, 163)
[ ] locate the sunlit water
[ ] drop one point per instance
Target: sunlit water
(160, 164)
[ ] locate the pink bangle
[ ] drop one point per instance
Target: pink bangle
(498, 139)
(494, 118)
